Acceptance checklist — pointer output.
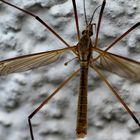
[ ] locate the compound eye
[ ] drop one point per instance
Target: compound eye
(90, 33)
(83, 32)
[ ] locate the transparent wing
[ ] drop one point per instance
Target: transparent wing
(28, 62)
(119, 65)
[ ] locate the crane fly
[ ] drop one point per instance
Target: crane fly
(83, 51)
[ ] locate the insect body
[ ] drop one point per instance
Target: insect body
(83, 51)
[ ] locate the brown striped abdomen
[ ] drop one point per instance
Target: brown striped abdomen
(81, 129)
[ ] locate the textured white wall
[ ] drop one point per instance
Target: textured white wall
(21, 93)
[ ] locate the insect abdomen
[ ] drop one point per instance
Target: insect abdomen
(81, 129)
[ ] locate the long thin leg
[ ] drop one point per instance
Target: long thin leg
(99, 22)
(40, 20)
(123, 35)
(117, 96)
(119, 38)
(85, 13)
(46, 101)
(76, 19)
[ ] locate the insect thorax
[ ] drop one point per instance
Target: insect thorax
(84, 48)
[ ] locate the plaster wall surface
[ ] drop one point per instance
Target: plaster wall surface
(22, 93)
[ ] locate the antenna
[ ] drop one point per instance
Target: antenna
(94, 13)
